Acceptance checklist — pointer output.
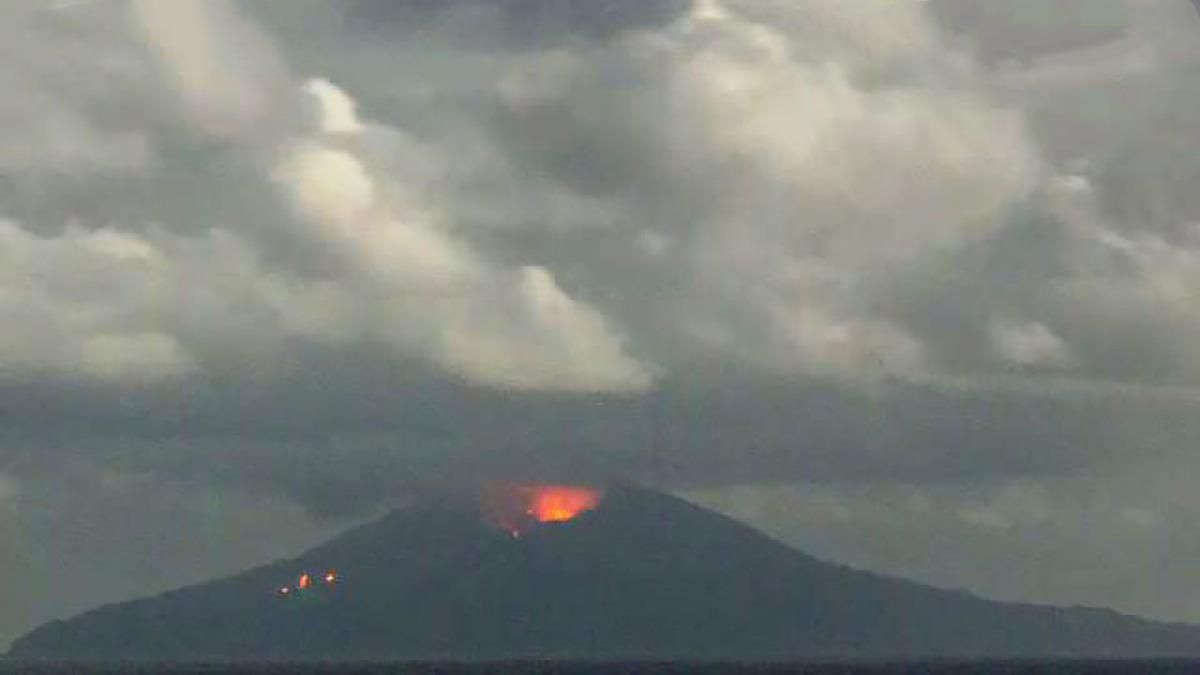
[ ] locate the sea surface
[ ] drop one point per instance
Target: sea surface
(553, 668)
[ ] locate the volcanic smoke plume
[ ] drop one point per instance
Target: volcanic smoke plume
(517, 507)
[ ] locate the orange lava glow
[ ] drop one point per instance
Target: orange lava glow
(305, 581)
(516, 507)
(558, 504)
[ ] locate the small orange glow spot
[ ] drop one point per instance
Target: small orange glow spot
(331, 577)
(304, 582)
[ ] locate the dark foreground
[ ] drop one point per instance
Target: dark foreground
(1068, 667)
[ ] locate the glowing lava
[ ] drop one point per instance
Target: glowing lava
(516, 507)
(306, 581)
(558, 504)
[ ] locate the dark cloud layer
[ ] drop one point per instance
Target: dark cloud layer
(1027, 29)
(532, 23)
(697, 432)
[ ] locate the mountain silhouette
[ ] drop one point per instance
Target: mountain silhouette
(642, 575)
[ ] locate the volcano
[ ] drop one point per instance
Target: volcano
(635, 575)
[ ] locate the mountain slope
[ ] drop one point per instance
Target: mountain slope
(643, 575)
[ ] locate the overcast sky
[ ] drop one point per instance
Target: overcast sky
(910, 285)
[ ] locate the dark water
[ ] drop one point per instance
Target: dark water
(552, 668)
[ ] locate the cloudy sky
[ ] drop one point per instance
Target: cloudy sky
(911, 285)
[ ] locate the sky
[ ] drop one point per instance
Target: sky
(910, 285)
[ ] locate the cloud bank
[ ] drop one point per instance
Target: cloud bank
(831, 194)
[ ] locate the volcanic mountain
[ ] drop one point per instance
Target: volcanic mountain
(636, 575)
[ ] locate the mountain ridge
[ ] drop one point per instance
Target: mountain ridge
(644, 575)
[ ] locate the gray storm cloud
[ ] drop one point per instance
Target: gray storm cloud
(779, 269)
(425, 290)
(353, 241)
(822, 189)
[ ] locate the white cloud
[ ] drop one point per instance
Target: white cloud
(51, 70)
(774, 171)
(73, 305)
(63, 143)
(448, 302)
(429, 285)
(126, 309)
(225, 69)
(1029, 345)
(825, 171)
(506, 340)
(808, 156)
(330, 185)
(135, 357)
(337, 112)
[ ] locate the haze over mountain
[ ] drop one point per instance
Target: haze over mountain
(641, 575)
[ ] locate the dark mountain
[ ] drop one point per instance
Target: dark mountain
(643, 575)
